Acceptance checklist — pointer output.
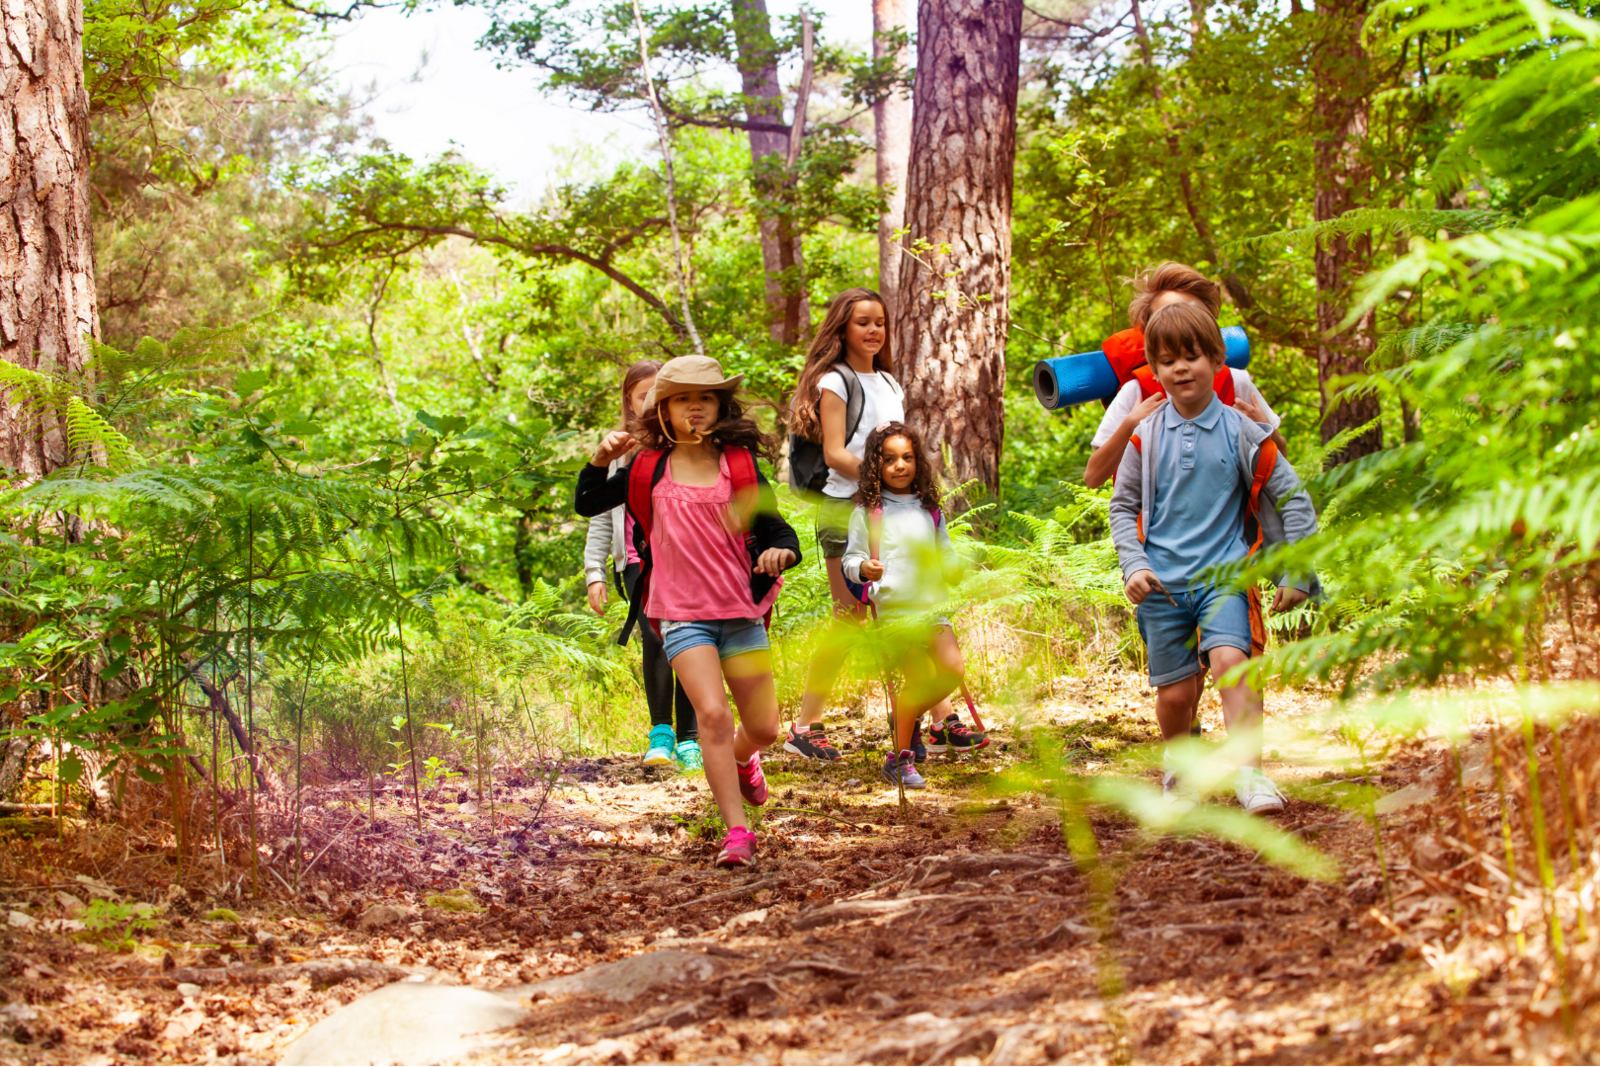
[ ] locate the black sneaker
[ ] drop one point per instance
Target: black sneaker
(919, 751)
(952, 735)
(811, 743)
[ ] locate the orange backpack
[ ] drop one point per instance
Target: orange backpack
(1125, 352)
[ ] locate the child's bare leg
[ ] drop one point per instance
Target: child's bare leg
(1241, 705)
(700, 671)
(930, 679)
(750, 680)
(830, 657)
(1176, 703)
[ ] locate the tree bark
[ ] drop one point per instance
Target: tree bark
(1342, 76)
(47, 302)
(891, 122)
(782, 261)
(951, 311)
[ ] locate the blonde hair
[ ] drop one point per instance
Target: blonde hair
(1170, 277)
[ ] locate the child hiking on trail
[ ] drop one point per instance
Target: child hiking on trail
(1197, 472)
(899, 549)
(845, 388)
(711, 547)
(1161, 286)
(608, 537)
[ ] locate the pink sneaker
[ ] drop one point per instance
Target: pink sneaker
(738, 848)
(752, 783)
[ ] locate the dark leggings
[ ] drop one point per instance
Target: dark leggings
(660, 685)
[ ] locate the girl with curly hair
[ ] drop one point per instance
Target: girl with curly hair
(712, 548)
(899, 549)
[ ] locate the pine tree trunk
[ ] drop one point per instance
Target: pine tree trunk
(950, 349)
(782, 261)
(47, 304)
(1342, 76)
(891, 121)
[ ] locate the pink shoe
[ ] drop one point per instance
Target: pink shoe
(752, 783)
(738, 848)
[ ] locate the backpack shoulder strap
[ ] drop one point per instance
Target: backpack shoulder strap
(1266, 459)
(742, 471)
(1223, 384)
(874, 532)
(938, 519)
(855, 401)
(1138, 446)
(646, 471)
(1148, 386)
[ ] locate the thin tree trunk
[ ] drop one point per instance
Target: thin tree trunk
(47, 304)
(1342, 76)
(782, 260)
(950, 348)
(891, 121)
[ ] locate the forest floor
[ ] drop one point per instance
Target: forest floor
(958, 934)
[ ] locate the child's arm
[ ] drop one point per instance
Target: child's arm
(596, 549)
(856, 549)
(779, 543)
(1103, 463)
(597, 493)
(1127, 500)
(1299, 517)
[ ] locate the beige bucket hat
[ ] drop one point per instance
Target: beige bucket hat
(686, 374)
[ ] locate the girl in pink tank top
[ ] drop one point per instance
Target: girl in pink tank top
(713, 556)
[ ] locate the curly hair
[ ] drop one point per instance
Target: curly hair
(923, 485)
(734, 429)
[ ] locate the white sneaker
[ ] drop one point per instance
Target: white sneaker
(1257, 793)
(1180, 800)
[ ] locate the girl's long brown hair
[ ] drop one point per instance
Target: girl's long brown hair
(870, 492)
(638, 372)
(827, 348)
(733, 430)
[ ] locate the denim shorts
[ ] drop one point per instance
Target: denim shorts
(1221, 615)
(730, 637)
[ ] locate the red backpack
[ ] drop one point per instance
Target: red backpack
(646, 471)
(1125, 352)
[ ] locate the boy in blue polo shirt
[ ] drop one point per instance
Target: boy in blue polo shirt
(1179, 511)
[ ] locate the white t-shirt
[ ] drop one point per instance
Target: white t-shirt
(879, 404)
(1129, 395)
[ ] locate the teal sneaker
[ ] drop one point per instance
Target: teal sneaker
(689, 761)
(661, 752)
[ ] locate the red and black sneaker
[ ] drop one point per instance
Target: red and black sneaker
(812, 743)
(952, 735)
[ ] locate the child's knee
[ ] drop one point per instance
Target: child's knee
(716, 724)
(761, 734)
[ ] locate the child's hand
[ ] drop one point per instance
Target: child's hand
(1141, 585)
(616, 443)
(1144, 409)
(597, 597)
(774, 561)
(871, 570)
(1253, 412)
(1288, 599)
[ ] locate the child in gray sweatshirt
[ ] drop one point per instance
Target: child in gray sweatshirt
(898, 550)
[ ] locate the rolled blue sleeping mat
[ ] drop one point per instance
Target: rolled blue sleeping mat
(1067, 381)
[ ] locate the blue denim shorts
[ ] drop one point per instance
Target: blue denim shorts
(730, 637)
(1221, 615)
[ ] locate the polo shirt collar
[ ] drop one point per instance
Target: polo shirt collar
(1206, 420)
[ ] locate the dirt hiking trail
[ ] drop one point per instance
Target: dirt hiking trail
(961, 934)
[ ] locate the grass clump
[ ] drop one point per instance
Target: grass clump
(455, 900)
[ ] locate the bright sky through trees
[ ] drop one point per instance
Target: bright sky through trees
(501, 119)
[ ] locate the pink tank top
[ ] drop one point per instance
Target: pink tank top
(700, 570)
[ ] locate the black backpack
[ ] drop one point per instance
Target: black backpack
(808, 470)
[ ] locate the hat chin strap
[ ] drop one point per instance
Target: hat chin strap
(695, 436)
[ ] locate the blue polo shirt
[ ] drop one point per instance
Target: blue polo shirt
(1199, 500)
